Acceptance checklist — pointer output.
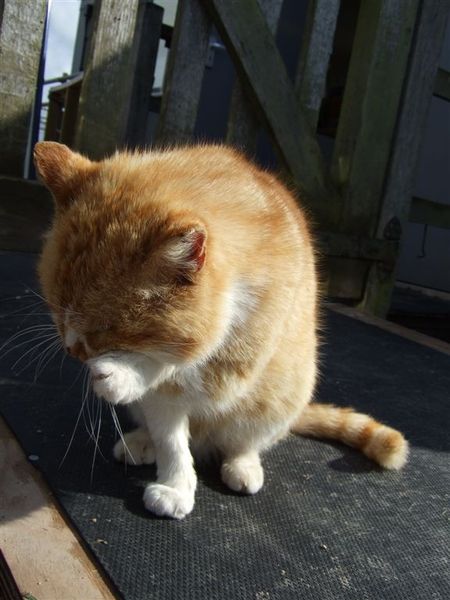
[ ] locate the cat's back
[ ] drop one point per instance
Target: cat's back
(222, 185)
(213, 179)
(254, 223)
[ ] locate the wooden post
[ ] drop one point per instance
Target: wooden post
(71, 101)
(116, 90)
(370, 108)
(242, 129)
(184, 74)
(21, 32)
(317, 45)
(146, 44)
(398, 191)
(367, 123)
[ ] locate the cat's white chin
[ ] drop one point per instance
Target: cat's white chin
(125, 377)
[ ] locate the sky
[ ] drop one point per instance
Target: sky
(61, 32)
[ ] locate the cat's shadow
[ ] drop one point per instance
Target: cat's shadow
(207, 473)
(351, 461)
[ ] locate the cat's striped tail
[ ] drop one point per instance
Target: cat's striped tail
(384, 445)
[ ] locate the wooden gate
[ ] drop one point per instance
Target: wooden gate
(361, 199)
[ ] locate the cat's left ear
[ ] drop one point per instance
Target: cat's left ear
(186, 251)
(61, 170)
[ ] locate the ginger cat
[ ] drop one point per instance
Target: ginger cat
(185, 279)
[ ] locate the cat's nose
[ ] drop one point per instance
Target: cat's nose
(77, 350)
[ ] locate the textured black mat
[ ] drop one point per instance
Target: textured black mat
(327, 524)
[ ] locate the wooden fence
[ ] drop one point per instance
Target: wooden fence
(362, 198)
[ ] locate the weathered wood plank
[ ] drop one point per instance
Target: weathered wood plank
(146, 44)
(409, 334)
(72, 99)
(317, 45)
(442, 85)
(45, 556)
(113, 87)
(353, 246)
(184, 74)
(427, 212)
(259, 64)
(242, 129)
(399, 183)
(370, 108)
(21, 34)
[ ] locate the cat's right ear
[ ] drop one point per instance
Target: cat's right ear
(61, 170)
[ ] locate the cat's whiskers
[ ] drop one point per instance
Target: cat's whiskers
(92, 427)
(46, 339)
(120, 432)
(96, 447)
(80, 412)
(47, 356)
(42, 354)
(18, 311)
(86, 406)
(33, 329)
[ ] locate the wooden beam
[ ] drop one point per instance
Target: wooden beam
(146, 45)
(398, 187)
(119, 76)
(184, 74)
(45, 555)
(317, 45)
(370, 108)
(261, 68)
(427, 212)
(354, 246)
(71, 102)
(243, 125)
(22, 26)
(405, 332)
(442, 85)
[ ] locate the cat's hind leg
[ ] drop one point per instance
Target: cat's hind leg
(135, 448)
(243, 472)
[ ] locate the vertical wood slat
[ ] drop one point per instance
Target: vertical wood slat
(21, 33)
(119, 76)
(146, 45)
(184, 74)
(71, 101)
(261, 68)
(370, 107)
(242, 129)
(315, 53)
(399, 186)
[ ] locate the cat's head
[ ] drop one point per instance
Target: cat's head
(126, 268)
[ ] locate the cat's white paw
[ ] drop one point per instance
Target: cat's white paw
(116, 380)
(166, 501)
(139, 445)
(243, 474)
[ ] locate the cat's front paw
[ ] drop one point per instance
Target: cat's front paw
(243, 474)
(166, 501)
(136, 448)
(115, 379)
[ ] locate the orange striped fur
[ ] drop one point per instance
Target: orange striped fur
(382, 444)
(194, 256)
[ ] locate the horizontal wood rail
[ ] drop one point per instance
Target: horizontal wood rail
(428, 212)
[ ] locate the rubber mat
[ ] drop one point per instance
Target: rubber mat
(327, 524)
